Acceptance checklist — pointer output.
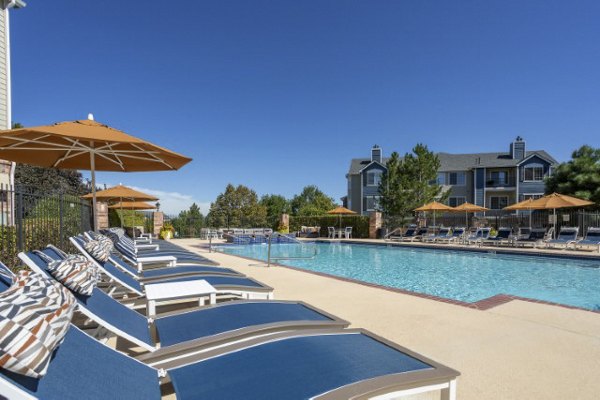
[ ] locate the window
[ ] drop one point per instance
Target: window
(441, 178)
(533, 196)
(456, 201)
(533, 173)
(456, 178)
(371, 203)
(498, 202)
(373, 178)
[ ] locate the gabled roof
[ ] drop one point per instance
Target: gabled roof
(463, 162)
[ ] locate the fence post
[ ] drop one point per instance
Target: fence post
(20, 243)
(60, 220)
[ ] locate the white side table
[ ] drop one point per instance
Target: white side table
(178, 290)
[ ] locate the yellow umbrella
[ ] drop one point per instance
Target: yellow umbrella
(341, 211)
(433, 207)
(556, 200)
(521, 206)
(121, 193)
(132, 205)
(468, 208)
(87, 145)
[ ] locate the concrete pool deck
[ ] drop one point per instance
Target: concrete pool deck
(515, 350)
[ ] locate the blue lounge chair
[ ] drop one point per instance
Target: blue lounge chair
(457, 235)
(336, 364)
(480, 235)
(176, 335)
(409, 232)
(503, 236)
(566, 236)
(536, 236)
(241, 286)
(160, 273)
(419, 235)
(444, 233)
(592, 239)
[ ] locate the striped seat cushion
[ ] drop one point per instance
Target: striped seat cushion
(99, 248)
(75, 272)
(34, 317)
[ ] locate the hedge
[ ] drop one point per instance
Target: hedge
(359, 224)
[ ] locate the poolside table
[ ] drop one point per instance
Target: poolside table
(178, 290)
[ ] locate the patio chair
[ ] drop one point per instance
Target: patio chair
(592, 239)
(503, 236)
(566, 236)
(348, 232)
(480, 235)
(350, 364)
(331, 232)
(536, 236)
(397, 233)
(455, 237)
(241, 286)
(176, 335)
(444, 233)
(523, 232)
(419, 235)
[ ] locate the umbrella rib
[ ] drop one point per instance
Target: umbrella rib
(68, 155)
(114, 154)
(25, 141)
(156, 158)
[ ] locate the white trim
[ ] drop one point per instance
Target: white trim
(457, 184)
(534, 155)
(532, 167)
(369, 164)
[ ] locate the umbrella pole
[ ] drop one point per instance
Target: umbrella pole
(94, 211)
(554, 218)
(122, 216)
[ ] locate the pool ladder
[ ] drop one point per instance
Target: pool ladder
(269, 258)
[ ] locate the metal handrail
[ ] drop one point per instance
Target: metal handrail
(269, 258)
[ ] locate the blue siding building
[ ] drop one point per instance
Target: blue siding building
(492, 180)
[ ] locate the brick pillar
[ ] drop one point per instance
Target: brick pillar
(375, 222)
(284, 220)
(158, 218)
(102, 213)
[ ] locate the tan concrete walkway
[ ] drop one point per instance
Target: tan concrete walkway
(518, 350)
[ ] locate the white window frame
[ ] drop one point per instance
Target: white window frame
(376, 177)
(457, 173)
(499, 197)
(533, 167)
(442, 181)
(463, 198)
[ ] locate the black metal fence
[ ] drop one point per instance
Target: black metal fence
(536, 219)
(29, 221)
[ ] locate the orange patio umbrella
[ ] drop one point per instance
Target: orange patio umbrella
(557, 200)
(86, 145)
(433, 207)
(469, 208)
(132, 205)
(341, 211)
(524, 205)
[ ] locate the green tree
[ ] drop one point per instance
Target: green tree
(237, 207)
(311, 201)
(275, 205)
(578, 177)
(410, 182)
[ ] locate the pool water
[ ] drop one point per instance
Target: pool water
(459, 275)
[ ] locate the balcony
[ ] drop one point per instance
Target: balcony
(509, 182)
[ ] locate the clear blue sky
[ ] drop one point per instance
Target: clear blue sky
(277, 95)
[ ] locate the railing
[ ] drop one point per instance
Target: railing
(507, 182)
(30, 221)
(269, 258)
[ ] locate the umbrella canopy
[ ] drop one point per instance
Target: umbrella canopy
(524, 205)
(434, 206)
(121, 192)
(133, 205)
(469, 208)
(341, 211)
(556, 200)
(86, 145)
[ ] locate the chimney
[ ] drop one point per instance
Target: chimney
(376, 154)
(517, 148)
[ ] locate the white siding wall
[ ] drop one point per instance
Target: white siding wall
(4, 88)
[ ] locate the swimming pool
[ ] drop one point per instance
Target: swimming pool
(459, 275)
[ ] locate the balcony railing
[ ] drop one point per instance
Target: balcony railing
(506, 182)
